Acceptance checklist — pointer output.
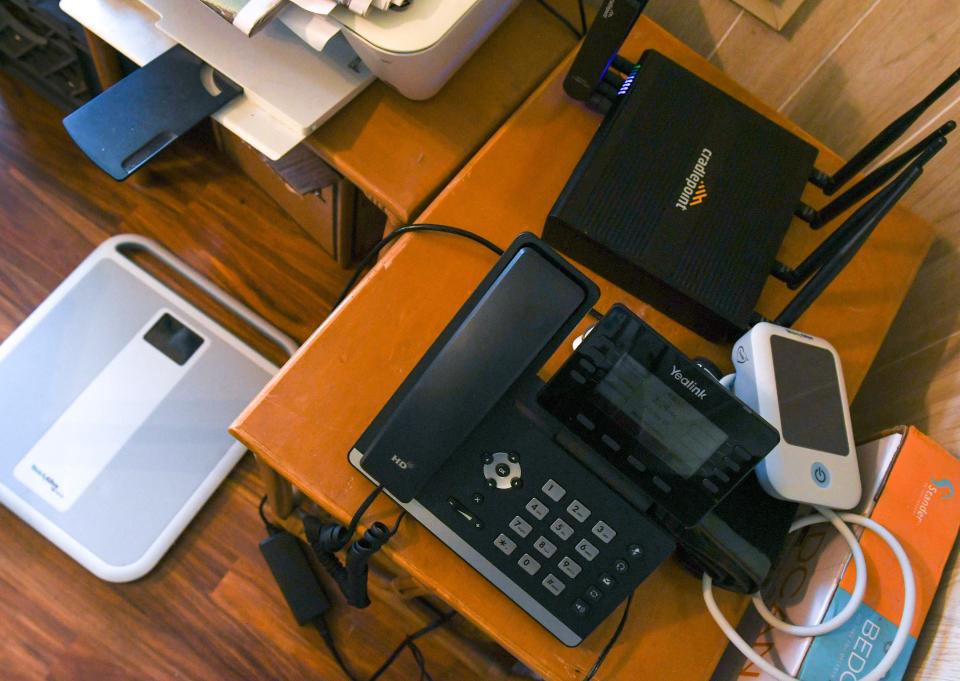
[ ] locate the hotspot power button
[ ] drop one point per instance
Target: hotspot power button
(820, 475)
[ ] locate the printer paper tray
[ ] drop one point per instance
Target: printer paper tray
(276, 112)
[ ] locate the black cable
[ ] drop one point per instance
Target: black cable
(613, 639)
(420, 660)
(270, 527)
(321, 625)
(370, 257)
(562, 19)
(407, 643)
(583, 17)
(358, 515)
(396, 524)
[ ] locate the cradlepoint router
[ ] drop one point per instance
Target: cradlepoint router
(683, 197)
(685, 194)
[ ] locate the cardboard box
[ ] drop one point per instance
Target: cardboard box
(775, 13)
(910, 487)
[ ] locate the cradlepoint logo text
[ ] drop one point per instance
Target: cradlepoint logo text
(608, 10)
(688, 383)
(401, 464)
(694, 190)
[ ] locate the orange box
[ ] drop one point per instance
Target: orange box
(910, 487)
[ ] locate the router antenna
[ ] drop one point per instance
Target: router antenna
(880, 143)
(610, 28)
(854, 232)
(876, 179)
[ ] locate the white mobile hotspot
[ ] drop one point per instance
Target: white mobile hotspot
(795, 382)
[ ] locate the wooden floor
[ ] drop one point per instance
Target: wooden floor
(841, 69)
(211, 609)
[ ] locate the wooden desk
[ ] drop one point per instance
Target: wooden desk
(398, 152)
(401, 152)
(308, 418)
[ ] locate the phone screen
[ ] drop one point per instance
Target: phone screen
(664, 422)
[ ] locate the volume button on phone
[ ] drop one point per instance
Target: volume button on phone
(465, 512)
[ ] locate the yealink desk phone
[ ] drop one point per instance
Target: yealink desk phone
(564, 495)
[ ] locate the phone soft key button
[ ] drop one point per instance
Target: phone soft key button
(537, 509)
(520, 526)
(587, 550)
(578, 510)
(528, 564)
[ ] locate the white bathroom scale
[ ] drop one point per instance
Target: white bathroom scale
(115, 399)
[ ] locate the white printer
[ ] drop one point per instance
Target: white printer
(289, 86)
(418, 49)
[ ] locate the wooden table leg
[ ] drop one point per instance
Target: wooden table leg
(279, 492)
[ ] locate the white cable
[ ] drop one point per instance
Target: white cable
(906, 617)
(859, 588)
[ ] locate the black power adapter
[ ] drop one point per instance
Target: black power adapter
(300, 587)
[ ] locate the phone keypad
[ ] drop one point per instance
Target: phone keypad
(566, 547)
(553, 585)
(529, 564)
(545, 546)
(553, 490)
(505, 544)
(520, 526)
(575, 560)
(560, 528)
(578, 511)
(604, 532)
(587, 550)
(569, 567)
(537, 509)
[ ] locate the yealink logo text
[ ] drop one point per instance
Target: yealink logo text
(694, 189)
(688, 383)
(608, 10)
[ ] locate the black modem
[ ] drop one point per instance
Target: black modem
(683, 197)
(685, 194)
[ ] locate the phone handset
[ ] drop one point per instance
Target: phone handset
(516, 318)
